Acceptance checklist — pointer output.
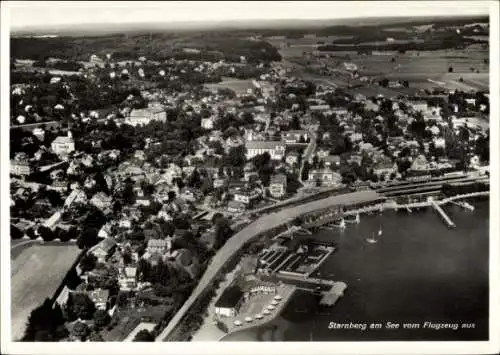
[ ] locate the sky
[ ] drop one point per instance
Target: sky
(34, 13)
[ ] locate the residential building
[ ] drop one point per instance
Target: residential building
(295, 136)
(276, 149)
(229, 302)
(99, 297)
(332, 161)
(146, 115)
(420, 163)
(247, 196)
(104, 249)
(63, 145)
(127, 278)
(208, 123)
(63, 297)
(385, 166)
(101, 200)
(158, 246)
(418, 105)
(292, 158)
(39, 133)
(319, 108)
(322, 153)
(325, 177)
(439, 142)
(277, 186)
(105, 231)
(59, 185)
(20, 167)
(340, 111)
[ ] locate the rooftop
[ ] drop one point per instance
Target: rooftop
(230, 297)
(263, 144)
(63, 140)
(278, 179)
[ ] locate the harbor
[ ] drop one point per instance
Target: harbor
(412, 245)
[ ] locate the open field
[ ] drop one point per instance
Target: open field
(423, 70)
(36, 273)
(237, 85)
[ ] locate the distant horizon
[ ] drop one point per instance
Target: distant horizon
(56, 16)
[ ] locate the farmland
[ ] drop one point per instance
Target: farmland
(423, 70)
(36, 274)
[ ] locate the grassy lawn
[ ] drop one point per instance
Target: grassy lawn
(36, 272)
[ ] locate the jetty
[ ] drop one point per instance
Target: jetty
(445, 217)
(330, 297)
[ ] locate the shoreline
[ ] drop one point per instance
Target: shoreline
(270, 331)
(264, 224)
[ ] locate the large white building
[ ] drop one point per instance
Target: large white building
(63, 145)
(275, 149)
(295, 136)
(229, 302)
(146, 115)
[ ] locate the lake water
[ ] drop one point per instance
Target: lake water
(418, 271)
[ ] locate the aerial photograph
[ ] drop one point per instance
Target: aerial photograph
(248, 178)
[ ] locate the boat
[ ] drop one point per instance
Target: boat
(373, 240)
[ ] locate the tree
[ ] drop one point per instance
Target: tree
(384, 82)
(81, 306)
(95, 336)
(222, 232)
(88, 262)
(101, 318)
(236, 156)
(450, 70)
(45, 323)
(87, 238)
(45, 233)
(15, 233)
(122, 298)
(80, 330)
(295, 124)
(143, 336)
(171, 196)
(305, 170)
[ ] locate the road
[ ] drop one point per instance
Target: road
(308, 152)
(236, 242)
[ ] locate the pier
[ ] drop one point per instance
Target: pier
(331, 297)
(447, 219)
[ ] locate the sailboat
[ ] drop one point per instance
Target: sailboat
(373, 240)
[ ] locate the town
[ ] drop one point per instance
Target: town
(132, 175)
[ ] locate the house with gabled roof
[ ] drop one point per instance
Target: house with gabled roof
(103, 250)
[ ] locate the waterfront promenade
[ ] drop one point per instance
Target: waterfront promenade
(273, 220)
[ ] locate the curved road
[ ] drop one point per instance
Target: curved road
(237, 241)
